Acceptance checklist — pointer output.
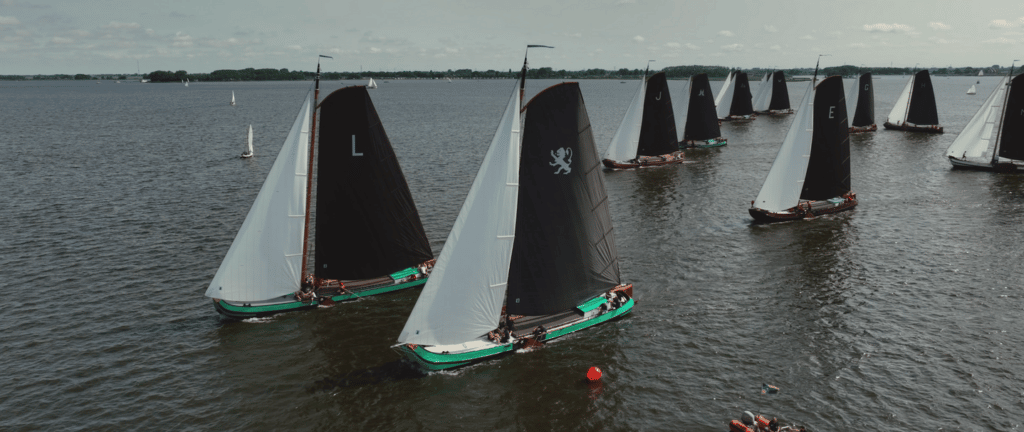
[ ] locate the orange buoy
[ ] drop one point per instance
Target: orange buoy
(594, 373)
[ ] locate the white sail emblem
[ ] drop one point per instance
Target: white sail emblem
(562, 160)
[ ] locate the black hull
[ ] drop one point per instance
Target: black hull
(871, 128)
(905, 128)
(764, 216)
(703, 144)
(645, 161)
(977, 166)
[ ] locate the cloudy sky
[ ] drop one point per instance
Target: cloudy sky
(109, 36)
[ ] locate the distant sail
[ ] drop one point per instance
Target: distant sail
(972, 90)
(860, 101)
(658, 129)
(701, 119)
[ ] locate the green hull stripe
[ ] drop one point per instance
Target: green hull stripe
(624, 309)
(592, 304)
(434, 361)
(381, 290)
(281, 307)
(407, 272)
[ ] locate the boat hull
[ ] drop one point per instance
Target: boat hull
(985, 166)
(327, 295)
(739, 117)
(776, 112)
(800, 212)
(912, 128)
(854, 129)
(645, 161)
(691, 144)
(431, 361)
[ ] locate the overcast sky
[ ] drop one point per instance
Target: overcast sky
(109, 36)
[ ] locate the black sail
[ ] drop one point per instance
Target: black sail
(701, 117)
(828, 170)
(780, 92)
(1011, 136)
(564, 251)
(864, 113)
(742, 100)
(366, 221)
(658, 127)
(922, 109)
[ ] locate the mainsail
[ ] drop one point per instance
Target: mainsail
(265, 259)
(738, 97)
(764, 93)
(922, 110)
(627, 136)
(828, 170)
(1011, 137)
(979, 134)
(701, 120)
(658, 129)
(860, 101)
(462, 299)
(772, 94)
(248, 142)
(366, 220)
(564, 249)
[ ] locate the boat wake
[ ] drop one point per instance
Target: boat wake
(260, 320)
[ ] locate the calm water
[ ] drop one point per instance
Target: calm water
(120, 200)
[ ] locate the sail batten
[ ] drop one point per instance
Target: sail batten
(264, 260)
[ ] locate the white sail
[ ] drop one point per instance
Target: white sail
(852, 94)
(248, 146)
(627, 137)
(898, 115)
(462, 299)
(681, 108)
(186, 82)
(723, 103)
(981, 73)
(972, 90)
(265, 259)
(764, 93)
(372, 84)
(233, 99)
(781, 189)
(978, 137)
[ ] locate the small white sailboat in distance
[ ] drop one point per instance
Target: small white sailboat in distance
(247, 150)
(186, 82)
(372, 84)
(972, 90)
(233, 104)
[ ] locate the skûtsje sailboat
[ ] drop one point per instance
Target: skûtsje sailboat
(860, 104)
(915, 110)
(647, 135)
(773, 95)
(368, 237)
(697, 123)
(811, 173)
(993, 139)
(531, 256)
(734, 101)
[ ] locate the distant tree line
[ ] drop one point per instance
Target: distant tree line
(672, 72)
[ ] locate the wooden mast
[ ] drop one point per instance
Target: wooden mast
(309, 171)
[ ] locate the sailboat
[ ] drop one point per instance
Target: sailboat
(697, 124)
(811, 174)
(531, 256)
(247, 150)
(860, 104)
(372, 84)
(773, 95)
(915, 109)
(972, 90)
(734, 102)
(647, 134)
(449, 80)
(981, 73)
(368, 237)
(992, 140)
(186, 82)
(233, 99)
